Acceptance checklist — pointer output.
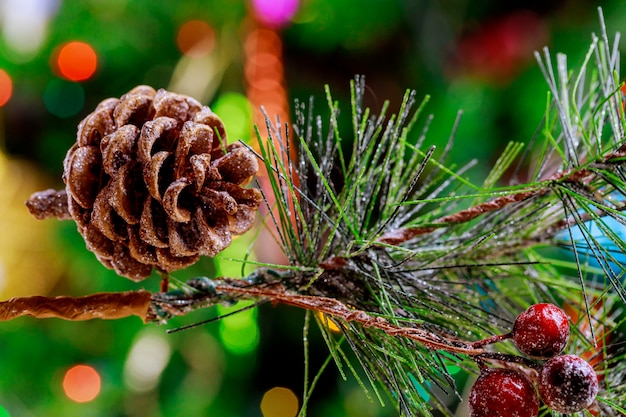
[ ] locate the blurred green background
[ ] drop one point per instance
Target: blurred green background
(58, 59)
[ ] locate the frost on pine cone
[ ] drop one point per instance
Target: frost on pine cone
(151, 182)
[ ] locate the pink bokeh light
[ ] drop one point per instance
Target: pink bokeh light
(275, 13)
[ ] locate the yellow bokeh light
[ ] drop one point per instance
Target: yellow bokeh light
(29, 262)
(279, 402)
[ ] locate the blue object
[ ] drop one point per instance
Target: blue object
(595, 244)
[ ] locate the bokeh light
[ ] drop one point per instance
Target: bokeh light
(76, 61)
(279, 402)
(266, 88)
(146, 361)
(275, 13)
(63, 98)
(196, 38)
(4, 412)
(239, 333)
(22, 237)
(264, 74)
(81, 383)
(236, 112)
(24, 25)
(6, 87)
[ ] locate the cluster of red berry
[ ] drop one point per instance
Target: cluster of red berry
(566, 383)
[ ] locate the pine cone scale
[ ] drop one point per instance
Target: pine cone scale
(202, 170)
(85, 164)
(81, 216)
(118, 148)
(125, 265)
(171, 199)
(134, 112)
(127, 206)
(215, 237)
(151, 173)
(238, 165)
(102, 217)
(198, 137)
(173, 263)
(156, 134)
(139, 248)
(151, 228)
(221, 199)
(98, 124)
(248, 197)
(97, 242)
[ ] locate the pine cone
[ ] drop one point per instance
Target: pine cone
(150, 182)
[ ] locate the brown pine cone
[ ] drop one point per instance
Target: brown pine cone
(151, 182)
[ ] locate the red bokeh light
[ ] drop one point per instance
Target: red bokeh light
(76, 61)
(6, 87)
(498, 49)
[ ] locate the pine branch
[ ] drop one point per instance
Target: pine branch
(383, 233)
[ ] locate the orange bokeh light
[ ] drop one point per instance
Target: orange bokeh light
(279, 402)
(195, 38)
(263, 40)
(6, 87)
(77, 61)
(81, 383)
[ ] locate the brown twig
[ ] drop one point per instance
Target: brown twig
(336, 308)
(397, 237)
(106, 306)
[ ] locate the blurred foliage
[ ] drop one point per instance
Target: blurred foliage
(468, 56)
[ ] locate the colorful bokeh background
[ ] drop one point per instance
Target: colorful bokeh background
(58, 59)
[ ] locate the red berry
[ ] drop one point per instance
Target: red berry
(503, 393)
(541, 331)
(568, 384)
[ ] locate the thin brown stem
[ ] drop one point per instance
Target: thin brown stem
(509, 359)
(491, 340)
